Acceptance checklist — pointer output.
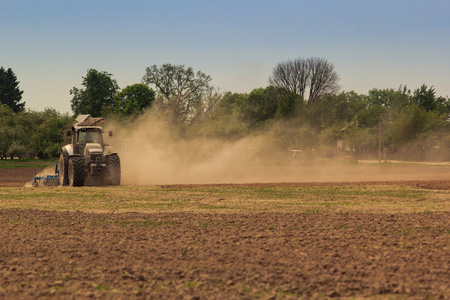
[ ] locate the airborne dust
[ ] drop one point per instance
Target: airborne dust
(153, 153)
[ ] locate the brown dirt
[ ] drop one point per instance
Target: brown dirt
(223, 256)
(183, 255)
(423, 184)
(15, 177)
(11, 177)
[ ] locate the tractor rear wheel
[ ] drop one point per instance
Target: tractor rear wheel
(113, 171)
(76, 171)
(63, 173)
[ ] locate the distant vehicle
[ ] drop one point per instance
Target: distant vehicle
(297, 158)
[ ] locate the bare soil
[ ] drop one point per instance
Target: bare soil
(428, 178)
(227, 256)
(423, 184)
(11, 177)
(187, 255)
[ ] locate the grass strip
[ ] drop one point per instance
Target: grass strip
(312, 199)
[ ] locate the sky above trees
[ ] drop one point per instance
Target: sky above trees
(373, 44)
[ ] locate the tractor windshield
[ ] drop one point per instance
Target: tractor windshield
(90, 136)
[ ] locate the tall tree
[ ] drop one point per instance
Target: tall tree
(313, 76)
(10, 94)
(293, 75)
(425, 97)
(180, 90)
(97, 96)
(133, 99)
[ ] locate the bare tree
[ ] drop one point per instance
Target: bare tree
(293, 75)
(323, 79)
(313, 75)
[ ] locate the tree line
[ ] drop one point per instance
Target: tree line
(300, 108)
(32, 133)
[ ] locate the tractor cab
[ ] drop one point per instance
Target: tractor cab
(89, 135)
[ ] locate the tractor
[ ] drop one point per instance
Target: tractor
(87, 160)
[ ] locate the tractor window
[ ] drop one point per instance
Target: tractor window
(90, 137)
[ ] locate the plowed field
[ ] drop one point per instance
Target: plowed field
(10, 177)
(263, 255)
(368, 239)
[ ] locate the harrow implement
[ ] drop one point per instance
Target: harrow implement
(47, 180)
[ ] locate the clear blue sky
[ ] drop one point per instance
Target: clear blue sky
(50, 44)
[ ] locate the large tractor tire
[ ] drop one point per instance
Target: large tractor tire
(63, 172)
(113, 172)
(76, 171)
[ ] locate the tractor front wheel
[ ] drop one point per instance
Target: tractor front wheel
(76, 171)
(113, 169)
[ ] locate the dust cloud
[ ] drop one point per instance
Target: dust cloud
(153, 153)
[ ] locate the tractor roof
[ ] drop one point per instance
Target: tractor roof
(87, 120)
(87, 128)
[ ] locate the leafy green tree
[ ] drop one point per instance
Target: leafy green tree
(265, 104)
(16, 149)
(336, 110)
(409, 124)
(133, 99)
(443, 105)
(370, 116)
(256, 107)
(5, 140)
(419, 133)
(425, 97)
(180, 91)
(10, 94)
(227, 104)
(361, 139)
(224, 121)
(6, 117)
(22, 127)
(396, 99)
(290, 105)
(97, 95)
(6, 114)
(32, 133)
(49, 134)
